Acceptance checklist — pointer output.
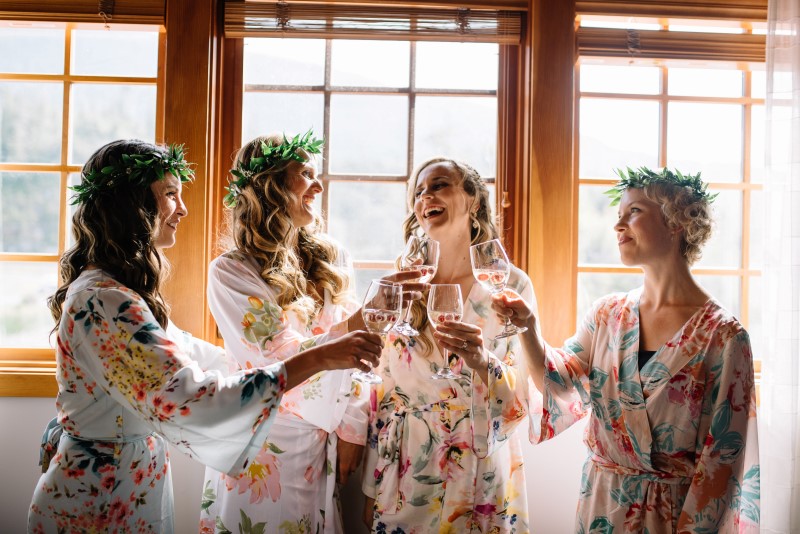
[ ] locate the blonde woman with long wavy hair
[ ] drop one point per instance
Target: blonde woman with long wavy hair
(283, 287)
(443, 455)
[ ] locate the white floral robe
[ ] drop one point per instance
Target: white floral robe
(291, 485)
(443, 455)
(126, 387)
(672, 448)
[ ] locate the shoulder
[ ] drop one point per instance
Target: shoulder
(232, 265)
(96, 283)
(518, 280)
(722, 322)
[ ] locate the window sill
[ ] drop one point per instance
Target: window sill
(28, 379)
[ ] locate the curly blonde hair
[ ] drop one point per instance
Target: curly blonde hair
(482, 228)
(290, 258)
(682, 209)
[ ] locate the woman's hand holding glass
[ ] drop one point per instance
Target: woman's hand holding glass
(491, 269)
(381, 310)
(445, 306)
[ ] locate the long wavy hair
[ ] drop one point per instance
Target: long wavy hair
(116, 232)
(290, 259)
(482, 227)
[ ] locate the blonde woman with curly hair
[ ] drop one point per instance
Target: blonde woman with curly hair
(665, 374)
(282, 288)
(443, 455)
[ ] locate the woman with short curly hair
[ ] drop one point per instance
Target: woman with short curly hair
(665, 374)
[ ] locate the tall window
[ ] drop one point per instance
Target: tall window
(383, 107)
(65, 89)
(696, 116)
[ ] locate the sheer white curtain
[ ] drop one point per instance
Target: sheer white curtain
(780, 388)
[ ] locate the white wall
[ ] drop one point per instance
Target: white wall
(553, 470)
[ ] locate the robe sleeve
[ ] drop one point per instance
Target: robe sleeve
(566, 398)
(724, 493)
(219, 419)
(499, 406)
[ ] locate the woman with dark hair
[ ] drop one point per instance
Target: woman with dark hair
(664, 372)
(128, 380)
(283, 287)
(443, 455)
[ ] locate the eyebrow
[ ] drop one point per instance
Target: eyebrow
(434, 180)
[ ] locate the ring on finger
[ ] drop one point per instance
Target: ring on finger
(464, 345)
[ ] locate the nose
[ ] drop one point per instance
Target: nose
(181, 209)
(317, 186)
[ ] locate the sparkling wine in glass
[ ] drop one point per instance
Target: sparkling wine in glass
(444, 304)
(491, 269)
(421, 254)
(380, 311)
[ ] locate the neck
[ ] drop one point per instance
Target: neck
(671, 284)
(454, 261)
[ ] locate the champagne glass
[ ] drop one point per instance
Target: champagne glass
(381, 309)
(421, 254)
(444, 304)
(491, 269)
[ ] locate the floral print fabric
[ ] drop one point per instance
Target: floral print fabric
(126, 387)
(443, 455)
(290, 487)
(672, 448)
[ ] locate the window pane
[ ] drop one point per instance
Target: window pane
(597, 240)
(724, 249)
(364, 277)
(758, 84)
(758, 153)
(72, 180)
(369, 134)
(705, 82)
(104, 112)
(457, 65)
(30, 122)
(620, 79)
(367, 218)
(609, 139)
(592, 286)
(284, 61)
(463, 128)
(726, 289)
(370, 63)
(29, 212)
(706, 138)
(25, 320)
(757, 234)
(264, 113)
(36, 50)
(112, 52)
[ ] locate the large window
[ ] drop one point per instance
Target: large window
(65, 89)
(384, 106)
(696, 116)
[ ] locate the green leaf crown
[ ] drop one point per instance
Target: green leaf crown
(274, 157)
(642, 177)
(135, 170)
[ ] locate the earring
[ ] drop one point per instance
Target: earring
(474, 221)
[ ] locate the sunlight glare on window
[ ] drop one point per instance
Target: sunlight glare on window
(116, 52)
(620, 79)
(705, 82)
(273, 112)
(370, 63)
(284, 61)
(37, 50)
(457, 65)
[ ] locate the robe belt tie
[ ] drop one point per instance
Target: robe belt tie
(390, 438)
(603, 464)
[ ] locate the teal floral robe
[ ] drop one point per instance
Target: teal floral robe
(671, 449)
(443, 455)
(126, 387)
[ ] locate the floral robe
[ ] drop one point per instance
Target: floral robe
(672, 448)
(126, 387)
(291, 485)
(442, 454)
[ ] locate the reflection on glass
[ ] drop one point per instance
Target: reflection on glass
(370, 63)
(369, 134)
(104, 52)
(25, 320)
(707, 138)
(724, 249)
(30, 122)
(757, 229)
(597, 241)
(627, 79)
(29, 212)
(464, 128)
(284, 61)
(758, 152)
(608, 139)
(367, 218)
(592, 286)
(726, 289)
(457, 65)
(36, 50)
(292, 113)
(105, 112)
(705, 82)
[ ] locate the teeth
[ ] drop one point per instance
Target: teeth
(433, 211)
